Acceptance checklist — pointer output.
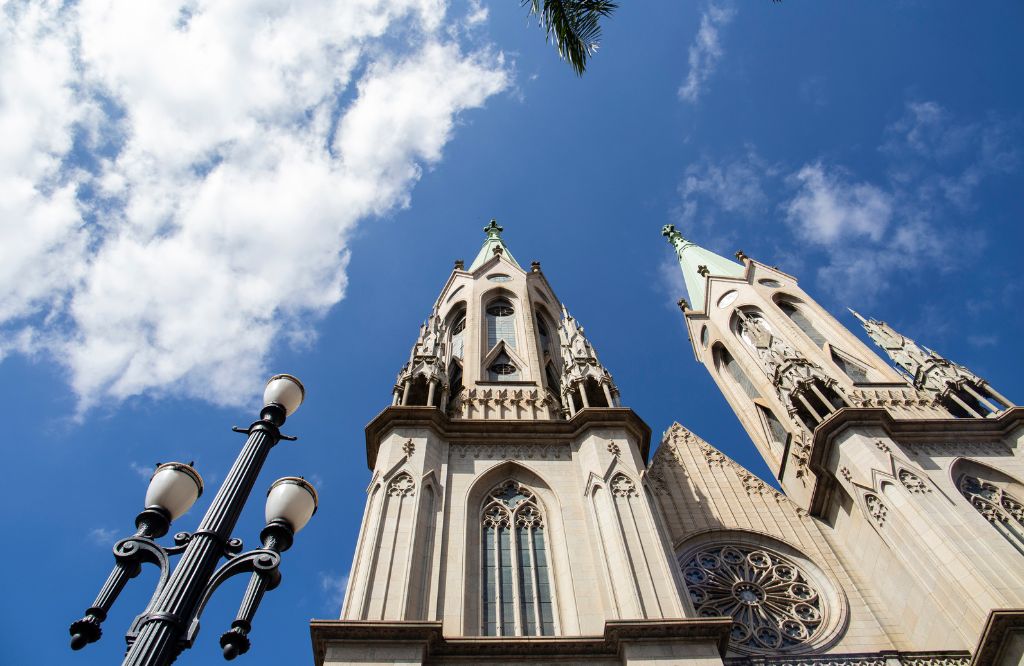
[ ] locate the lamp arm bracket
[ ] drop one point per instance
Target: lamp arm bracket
(262, 561)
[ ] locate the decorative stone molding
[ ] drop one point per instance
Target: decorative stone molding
(868, 659)
(677, 437)
(773, 603)
(614, 449)
(510, 451)
(409, 448)
(401, 486)
(882, 446)
(912, 482)
(876, 509)
(846, 474)
(622, 486)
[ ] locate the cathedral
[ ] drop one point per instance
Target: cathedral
(515, 514)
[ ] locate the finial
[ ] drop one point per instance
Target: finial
(683, 305)
(535, 266)
(703, 270)
(741, 255)
(668, 230)
(493, 230)
(460, 265)
(857, 315)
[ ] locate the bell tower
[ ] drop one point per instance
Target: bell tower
(508, 515)
(784, 364)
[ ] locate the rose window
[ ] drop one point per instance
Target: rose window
(772, 602)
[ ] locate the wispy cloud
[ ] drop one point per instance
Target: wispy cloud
(333, 586)
(706, 50)
(155, 158)
(828, 208)
(866, 231)
(102, 536)
(145, 472)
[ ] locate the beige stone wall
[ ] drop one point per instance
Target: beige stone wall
(704, 495)
(418, 556)
(906, 526)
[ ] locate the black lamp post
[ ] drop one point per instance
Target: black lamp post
(170, 622)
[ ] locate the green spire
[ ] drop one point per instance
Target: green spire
(493, 245)
(697, 263)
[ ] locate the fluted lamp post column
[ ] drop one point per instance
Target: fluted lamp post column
(170, 622)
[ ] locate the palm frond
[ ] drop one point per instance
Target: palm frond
(573, 25)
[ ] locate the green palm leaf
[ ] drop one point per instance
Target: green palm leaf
(573, 25)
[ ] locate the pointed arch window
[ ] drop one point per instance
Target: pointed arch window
(777, 433)
(515, 580)
(501, 323)
(738, 376)
(997, 506)
(853, 370)
(802, 322)
(458, 336)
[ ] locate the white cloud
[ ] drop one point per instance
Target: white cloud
(103, 536)
(706, 50)
(182, 179)
(333, 588)
(827, 209)
(861, 234)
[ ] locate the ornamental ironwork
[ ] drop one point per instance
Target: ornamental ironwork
(772, 602)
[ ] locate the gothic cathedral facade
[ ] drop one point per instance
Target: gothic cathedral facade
(515, 514)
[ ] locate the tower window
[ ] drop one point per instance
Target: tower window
(738, 376)
(503, 369)
(516, 583)
(853, 370)
(458, 337)
(501, 324)
(802, 322)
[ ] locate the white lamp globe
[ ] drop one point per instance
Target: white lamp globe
(284, 390)
(293, 500)
(174, 487)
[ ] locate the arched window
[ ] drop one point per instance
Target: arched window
(502, 369)
(458, 341)
(777, 433)
(853, 370)
(738, 376)
(802, 322)
(515, 580)
(501, 324)
(991, 493)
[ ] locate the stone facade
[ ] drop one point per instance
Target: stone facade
(514, 513)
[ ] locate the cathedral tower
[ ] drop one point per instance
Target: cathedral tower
(912, 476)
(507, 514)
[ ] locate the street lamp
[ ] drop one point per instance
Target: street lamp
(170, 622)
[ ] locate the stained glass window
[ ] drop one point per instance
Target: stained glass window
(516, 586)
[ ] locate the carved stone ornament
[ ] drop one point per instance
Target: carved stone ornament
(401, 486)
(623, 486)
(772, 602)
(882, 446)
(992, 502)
(912, 482)
(846, 473)
(876, 509)
(409, 448)
(614, 449)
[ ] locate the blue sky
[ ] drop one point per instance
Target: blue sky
(196, 195)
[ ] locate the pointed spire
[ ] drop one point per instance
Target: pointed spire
(697, 264)
(929, 371)
(492, 245)
(858, 316)
(580, 363)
